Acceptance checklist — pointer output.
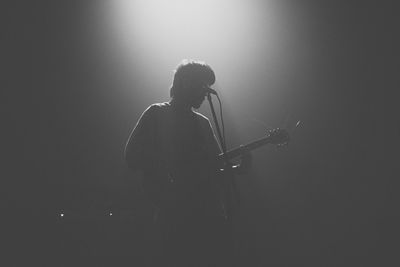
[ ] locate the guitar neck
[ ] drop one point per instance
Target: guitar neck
(236, 152)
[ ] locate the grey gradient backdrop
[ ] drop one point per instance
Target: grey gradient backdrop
(329, 199)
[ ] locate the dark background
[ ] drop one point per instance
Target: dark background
(329, 199)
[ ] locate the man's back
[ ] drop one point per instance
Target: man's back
(180, 177)
(180, 151)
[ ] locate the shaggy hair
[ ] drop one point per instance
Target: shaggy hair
(191, 71)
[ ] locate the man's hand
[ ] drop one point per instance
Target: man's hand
(246, 161)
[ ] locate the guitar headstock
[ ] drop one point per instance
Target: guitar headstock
(278, 137)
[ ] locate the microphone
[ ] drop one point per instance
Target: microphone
(210, 90)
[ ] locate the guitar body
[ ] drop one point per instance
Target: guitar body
(200, 185)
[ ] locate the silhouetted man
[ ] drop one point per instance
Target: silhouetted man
(176, 150)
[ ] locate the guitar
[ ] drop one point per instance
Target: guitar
(229, 194)
(276, 136)
(166, 193)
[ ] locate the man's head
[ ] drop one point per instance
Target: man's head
(189, 82)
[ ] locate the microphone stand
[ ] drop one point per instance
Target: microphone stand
(220, 137)
(230, 189)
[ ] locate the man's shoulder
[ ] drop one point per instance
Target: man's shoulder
(157, 107)
(153, 111)
(162, 105)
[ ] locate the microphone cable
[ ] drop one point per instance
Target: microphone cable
(223, 141)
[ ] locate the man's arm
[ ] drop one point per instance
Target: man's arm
(245, 159)
(140, 147)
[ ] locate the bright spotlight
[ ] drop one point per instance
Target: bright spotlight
(220, 31)
(243, 41)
